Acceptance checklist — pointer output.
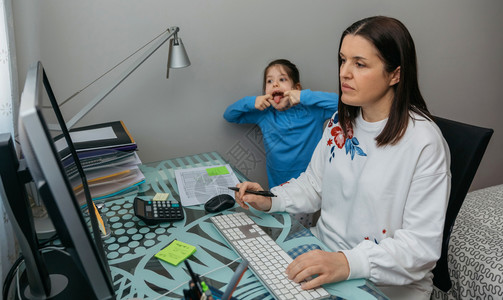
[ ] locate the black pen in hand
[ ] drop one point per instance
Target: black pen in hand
(260, 193)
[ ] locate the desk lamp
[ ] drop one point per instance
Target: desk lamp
(177, 58)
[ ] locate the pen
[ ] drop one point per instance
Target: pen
(260, 193)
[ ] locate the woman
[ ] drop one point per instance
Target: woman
(380, 173)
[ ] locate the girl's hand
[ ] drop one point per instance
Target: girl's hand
(290, 99)
(262, 102)
(256, 201)
(329, 266)
(293, 97)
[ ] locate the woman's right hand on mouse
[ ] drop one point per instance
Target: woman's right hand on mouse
(245, 200)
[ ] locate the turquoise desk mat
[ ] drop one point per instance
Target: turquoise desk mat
(132, 245)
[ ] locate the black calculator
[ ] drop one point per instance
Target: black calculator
(154, 212)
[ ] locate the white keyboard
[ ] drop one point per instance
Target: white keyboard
(267, 260)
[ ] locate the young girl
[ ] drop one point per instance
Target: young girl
(380, 174)
(291, 120)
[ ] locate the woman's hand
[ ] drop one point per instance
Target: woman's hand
(329, 266)
(263, 102)
(256, 201)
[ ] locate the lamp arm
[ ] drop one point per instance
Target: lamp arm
(169, 33)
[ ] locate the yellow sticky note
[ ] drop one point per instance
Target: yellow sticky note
(176, 252)
(217, 171)
(161, 197)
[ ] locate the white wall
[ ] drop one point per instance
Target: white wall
(459, 45)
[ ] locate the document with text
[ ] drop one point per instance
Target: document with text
(198, 185)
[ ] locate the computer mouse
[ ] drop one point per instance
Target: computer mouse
(219, 203)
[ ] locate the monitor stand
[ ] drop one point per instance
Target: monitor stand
(43, 224)
(66, 279)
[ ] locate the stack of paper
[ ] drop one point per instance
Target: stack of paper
(107, 154)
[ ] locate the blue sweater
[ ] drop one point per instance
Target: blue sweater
(290, 136)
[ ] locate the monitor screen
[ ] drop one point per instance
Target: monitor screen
(77, 228)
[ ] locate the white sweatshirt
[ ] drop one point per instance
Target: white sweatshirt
(383, 207)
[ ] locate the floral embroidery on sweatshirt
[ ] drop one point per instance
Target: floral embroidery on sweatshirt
(383, 236)
(338, 140)
(368, 239)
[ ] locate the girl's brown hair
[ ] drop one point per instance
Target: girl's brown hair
(289, 67)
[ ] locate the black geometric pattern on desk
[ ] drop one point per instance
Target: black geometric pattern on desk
(137, 273)
(476, 248)
(132, 245)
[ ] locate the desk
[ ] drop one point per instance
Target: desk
(475, 254)
(132, 245)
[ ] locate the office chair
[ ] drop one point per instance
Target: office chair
(467, 144)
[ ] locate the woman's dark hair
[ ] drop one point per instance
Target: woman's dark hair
(396, 49)
(290, 69)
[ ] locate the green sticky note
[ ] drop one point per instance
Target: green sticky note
(217, 171)
(176, 252)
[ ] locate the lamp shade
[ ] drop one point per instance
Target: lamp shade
(177, 58)
(177, 55)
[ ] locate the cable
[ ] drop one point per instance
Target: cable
(10, 276)
(17, 283)
(14, 270)
(55, 248)
(209, 272)
(51, 239)
(221, 267)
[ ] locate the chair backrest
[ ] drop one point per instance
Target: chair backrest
(467, 144)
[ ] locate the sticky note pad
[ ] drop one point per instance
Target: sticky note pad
(217, 171)
(161, 197)
(176, 252)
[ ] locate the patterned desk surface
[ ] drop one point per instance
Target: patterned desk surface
(132, 245)
(475, 253)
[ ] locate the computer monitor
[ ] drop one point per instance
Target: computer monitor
(88, 274)
(13, 176)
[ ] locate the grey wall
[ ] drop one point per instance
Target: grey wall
(459, 45)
